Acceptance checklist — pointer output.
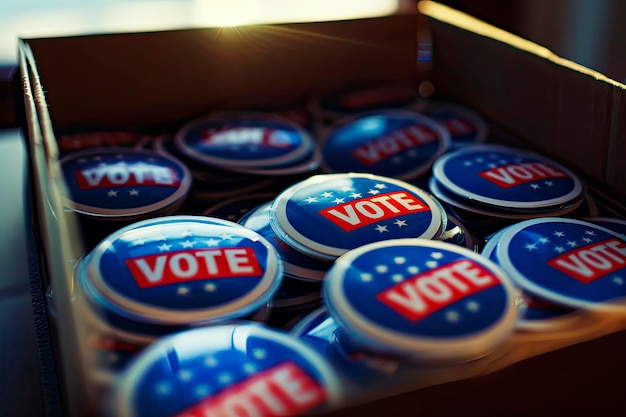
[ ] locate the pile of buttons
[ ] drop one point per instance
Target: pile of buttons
(368, 222)
(564, 266)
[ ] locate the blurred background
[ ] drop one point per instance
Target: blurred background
(589, 32)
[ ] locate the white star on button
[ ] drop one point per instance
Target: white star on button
(400, 223)
(381, 269)
(164, 247)
(185, 375)
(112, 193)
(212, 242)
(397, 278)
(366, 277)
(133, 192)
(259, 353)
(187, 244)
(182, 291)
(381, 228)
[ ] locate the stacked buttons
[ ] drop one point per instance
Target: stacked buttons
(327, 215)
(571, 263)
(250, 143)
(123, 183)
(162, 274)
(422, 300)
(504, 182)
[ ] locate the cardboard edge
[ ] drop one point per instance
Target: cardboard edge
(56, 245)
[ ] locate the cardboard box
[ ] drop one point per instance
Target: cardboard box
(155, 81)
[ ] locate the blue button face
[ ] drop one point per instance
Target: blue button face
(398, 144)
(121, 182)
(327, 215)
(421, 298)
(463, 125)
(244, 140)
(566, 261)
(227, 370)
(184, 269)
(505, 177)
(616, 225)
(296, 264)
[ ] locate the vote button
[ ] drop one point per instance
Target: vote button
(227, 370)
(427, 301)
(570, 262)
(124, 183)
(326, 215)
(393, 143)
(182, 270)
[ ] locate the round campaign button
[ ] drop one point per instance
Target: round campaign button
(121, 183)
(509, 178)
(183, 270)
(296, 264)
(227, 370)
(423, 300)
(252, 140)
(355, 99)
(327, 215)
(464, 126)
(566, 261)
(394, 143)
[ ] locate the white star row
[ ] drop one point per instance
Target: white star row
(383, 228)
(114, 193)
(536, 186)
(400, 260)
(338, 200)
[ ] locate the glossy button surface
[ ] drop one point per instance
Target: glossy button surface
(398, 144)
(227, 370)
(498, 176)
(123, 182)
(327, 215)
(566, 261)
(183, 269)
(252, 140)
(426, 300)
